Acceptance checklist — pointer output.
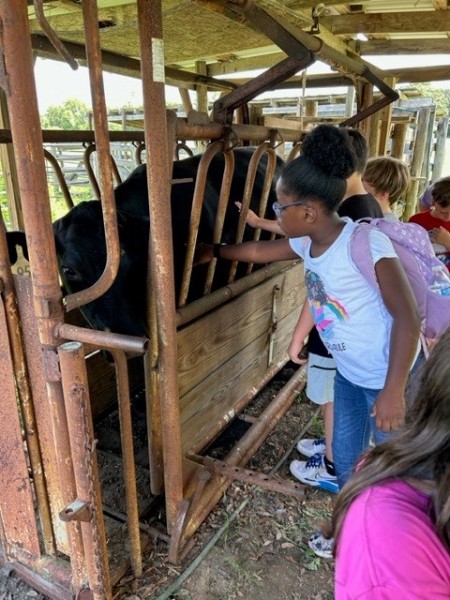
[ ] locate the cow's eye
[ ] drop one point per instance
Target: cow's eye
(70, 273)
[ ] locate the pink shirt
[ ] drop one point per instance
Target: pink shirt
(389, 550)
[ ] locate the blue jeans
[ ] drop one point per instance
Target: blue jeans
(352, 425)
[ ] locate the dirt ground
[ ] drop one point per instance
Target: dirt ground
(252, 546)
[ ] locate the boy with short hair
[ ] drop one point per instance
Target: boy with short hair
(387, 179)
(437, 220)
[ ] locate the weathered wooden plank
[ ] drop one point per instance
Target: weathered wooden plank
(392, 22)
(417, 46)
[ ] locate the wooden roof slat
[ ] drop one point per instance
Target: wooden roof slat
(401, 22)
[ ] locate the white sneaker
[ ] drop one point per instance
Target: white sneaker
(314, 473)
(309, 447)
(320, 545)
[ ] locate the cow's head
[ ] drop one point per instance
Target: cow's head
(80, 244)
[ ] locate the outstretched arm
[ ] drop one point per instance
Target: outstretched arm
(304, 325)
(255, 252)
(257, 222)
(389, 408)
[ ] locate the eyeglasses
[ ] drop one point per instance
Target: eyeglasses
(278, 208)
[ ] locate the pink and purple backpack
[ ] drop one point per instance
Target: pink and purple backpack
(427, 275)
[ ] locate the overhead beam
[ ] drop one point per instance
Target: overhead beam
(130, 67)
(395, 22)
(405, 46)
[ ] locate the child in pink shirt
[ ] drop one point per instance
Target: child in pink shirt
(392, 519)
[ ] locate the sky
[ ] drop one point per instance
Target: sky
(57, 82)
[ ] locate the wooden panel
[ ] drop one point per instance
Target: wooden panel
(225, 354)
(215, 338)
(16, 500)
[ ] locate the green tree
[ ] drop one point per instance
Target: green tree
(72, 114)
(440, 96)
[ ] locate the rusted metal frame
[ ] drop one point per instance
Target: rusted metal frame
(182, 146)
(280, 32)
(223, 107)
(93, 53)
(262, 149)
(86, 507)
(299, 57)
(102, 339)
(140, 147)
(49, 575)
(191, 311)
(129, 468)
(274, 483)
(196, 211)
(176, 551)
(152, 376)
(161, 273)
(184, 131)
(243, 451)
(295, 151)
(47, 297)
(224, 200)
(51, 35)
(25, 398)
(90, 149)
(61, 180)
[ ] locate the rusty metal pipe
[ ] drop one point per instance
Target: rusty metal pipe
(160, 244)
(79, 418)
(61, 180)
(93, 52)
(102, 339)
(197, 204)
(129, 468)
(53, 38)
(224, 199)
(90, 149)
(184, 131)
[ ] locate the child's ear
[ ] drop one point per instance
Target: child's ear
(310, 214)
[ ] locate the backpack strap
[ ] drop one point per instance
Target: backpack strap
(361, 254)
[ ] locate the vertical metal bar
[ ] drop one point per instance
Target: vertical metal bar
(224, 200)
(77, 402)
(18, 83)
(94, 60)
(262, 149)
(129, 468)
(196, 211)
(160, 245)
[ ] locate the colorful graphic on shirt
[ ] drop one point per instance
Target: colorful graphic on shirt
(325, 310)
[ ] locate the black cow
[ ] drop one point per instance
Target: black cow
(80, 238)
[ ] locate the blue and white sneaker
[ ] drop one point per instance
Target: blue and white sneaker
(314, 473)
(309, 447)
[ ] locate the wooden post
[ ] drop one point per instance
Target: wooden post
(423, 117)
(385, 116)
(400, 131)
(202, 99)
(439, 151)
(364, 98)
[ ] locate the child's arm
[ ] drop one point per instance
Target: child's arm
(256, 222)
(255, 252)
(304, 325)
(389, 408)
(440, 235)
